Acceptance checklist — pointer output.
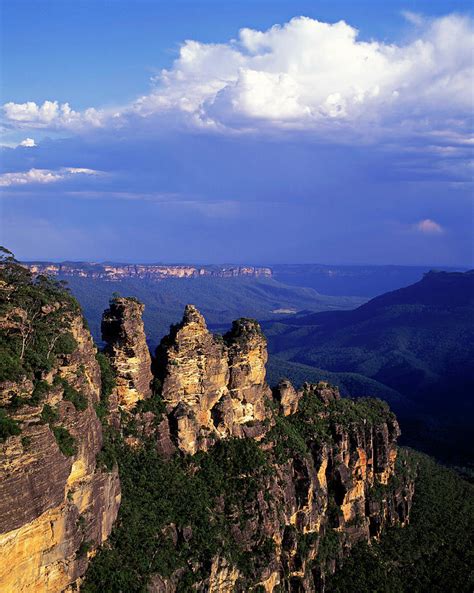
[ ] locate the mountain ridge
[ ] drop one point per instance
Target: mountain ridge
(417, 340)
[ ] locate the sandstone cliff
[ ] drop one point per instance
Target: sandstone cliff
(313, 473)
(56, 505)
(319, 497)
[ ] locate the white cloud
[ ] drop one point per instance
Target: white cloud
(303, 75)
(415, 18)
(312, 75)
(28, 143)
(50, 114)
(429, 227)
(42, 176)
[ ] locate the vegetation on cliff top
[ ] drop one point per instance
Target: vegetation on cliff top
(315, 423)
(36, 313)
(179, 513)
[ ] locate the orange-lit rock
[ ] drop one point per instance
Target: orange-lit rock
(213, 387)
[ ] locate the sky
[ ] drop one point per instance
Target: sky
(258, 131)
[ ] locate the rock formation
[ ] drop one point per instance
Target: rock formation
(287, 396)
(333, 493)
(123, 331)
(213, 387)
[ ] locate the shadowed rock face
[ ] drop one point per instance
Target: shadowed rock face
(123, 331)
(51, 504)
(213, 387)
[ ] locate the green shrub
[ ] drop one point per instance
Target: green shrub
(26, 442)
(85, 547)
(8, 426)
(65, 440)
(107, 456)
(65, 344)
(78, 399)
(40, 390)
(49, 415)
(11, 368)
(107, 384)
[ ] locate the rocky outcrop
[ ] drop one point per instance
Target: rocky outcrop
(213, 386)
(123, 331)
(287, 396)
(56, 505)
(114, 272)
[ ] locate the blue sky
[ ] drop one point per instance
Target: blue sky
(238, 132)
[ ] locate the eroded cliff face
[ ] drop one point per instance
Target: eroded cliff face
(312, 505)
(123, 331)
(56, 505)
(213, 387)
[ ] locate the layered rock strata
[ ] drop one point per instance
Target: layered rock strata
(314, 507)
(332, 482)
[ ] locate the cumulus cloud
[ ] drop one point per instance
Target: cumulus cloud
(312, 75)
(28, 143)
(429, 227)
(42, 176)
(303, 75)
(50, 114)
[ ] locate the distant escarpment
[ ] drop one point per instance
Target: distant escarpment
(145, 271)
(225, 486)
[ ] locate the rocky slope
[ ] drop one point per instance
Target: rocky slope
(226, 486)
